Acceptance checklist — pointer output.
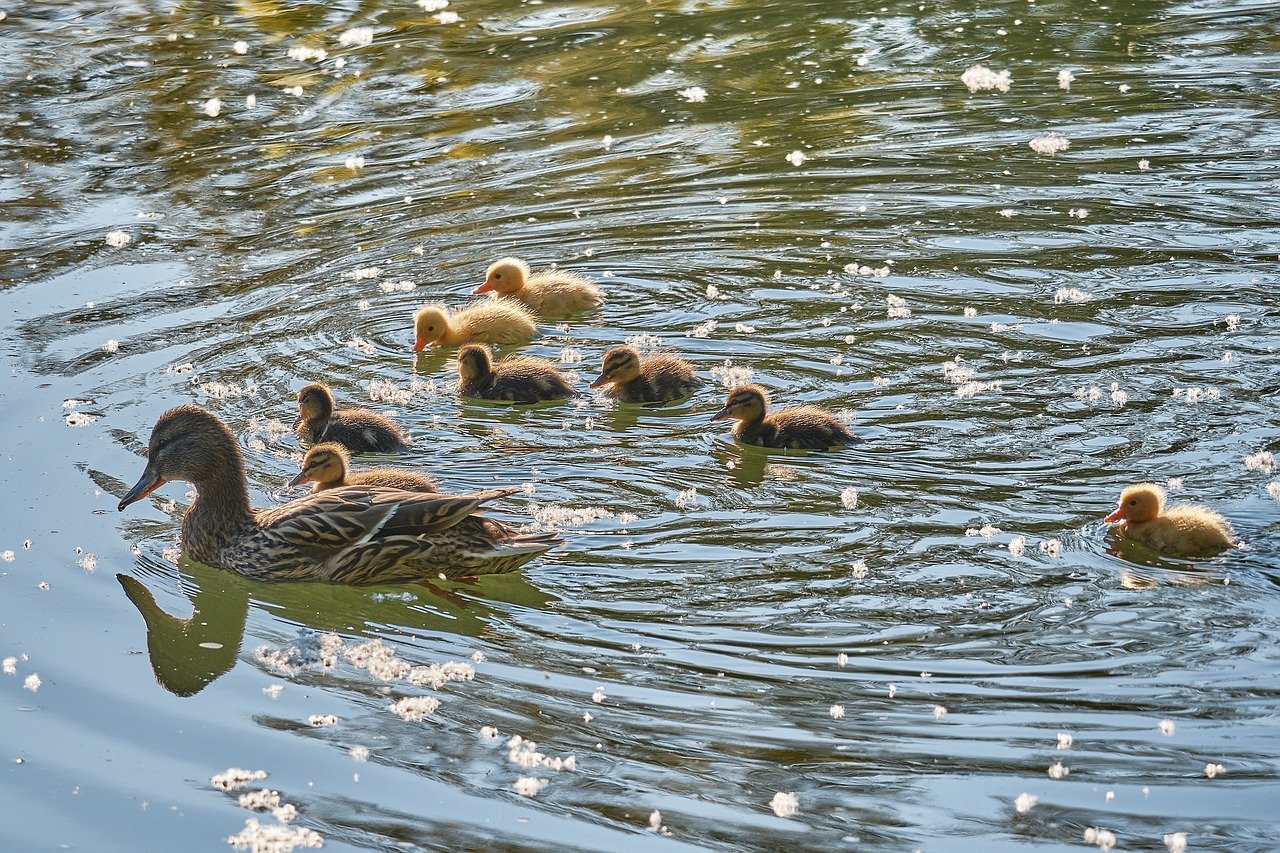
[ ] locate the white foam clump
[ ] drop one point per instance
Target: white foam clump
(970, 312)
(688, 499)
(1050, 144)
(571, 355)
(694, 94)
(111, 346)
(79, 419)
(1070, 294)
(359, 753)
(939, 712)
(1052, 547)
(1078, 212)
(240, 47)
(89, 562)
(796, 158)
(378, 659)
(1065, 740)
(356, 37)
(260, 800)
(32, 682)
(488, 733)
(447, 17)
(1214, 770)
(732, 375)
(703, 330)
(859, 569)
(1176, 842)
(986, 531)
(1273, 489)
(302, 53)
(525, 753)
(980, 78)
(1065, 79)
(311, 649)
(212, 107)
(554, 515)
(1118, 396)
(354, 163)
(598, 695)
(837, 712)
(973, 389)
(276, 838)
(226, 390)
(437, 675)
(1025, 803)
(655, 820)
(855, 268)
(1263, 460)
(433, 5)
(1059, 771)
(402, 286)
(235, 777)
(897, 307)
(785, 804)
(644, 340)
(954, 371)
(250, 101)
(320, 721)
(842, 659)
(361, 345)
(10, 666)
(528, 786)
(1105, 839)
(414, 709)
(1018, 546)
(849, 498)
(386, 391)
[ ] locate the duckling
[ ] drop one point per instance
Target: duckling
(348, 534)
(522, 380)
(497, 322)
(1181, 530)
(659, 378)
(547, 292)
(326, 464)
(358, 430)
(800, 427)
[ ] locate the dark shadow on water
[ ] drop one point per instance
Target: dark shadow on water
(190, 653)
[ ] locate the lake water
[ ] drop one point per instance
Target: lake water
(1016, 334)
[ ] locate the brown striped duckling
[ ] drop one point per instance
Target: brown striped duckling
(548, 292)
(498, 321)
(358, 430)
(657, 378)
(326, 465)
(520, 380)
(1181, 530)
(797, 427)
(348, 534)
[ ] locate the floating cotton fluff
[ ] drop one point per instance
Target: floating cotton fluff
(1105, 839)
(447, 17)
(1263, 461)
(528, 786)
(694, 94)
(655, 820)
(1025, 803)
(1176, 842)
(277, 838)
(302, 53)
(117, 239)
(1050, 143)
(980, 78)
(1059, 771)
(1213, 771)
(32, 682)
(859, 570)
(796, 158)
(260, 800)
(939, 712)
(321, 720)
(842, 659)
(1018, 546)
(837, 712)
(688, 499)
(1070, 294)
(598, 695)
(212, 107)
(732, 375)
(525, 754)
(356, 37)
(359, 753)
(240, 47)
(414, 709)
(1273, 489)
(1065, 79)
(986, 531)
(897, 307)
(234, 777)
(433, 5)
(1052, 547)
(1065, 740)
(703, 330)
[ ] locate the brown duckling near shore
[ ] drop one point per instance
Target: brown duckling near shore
(657, 378)
(358, 430)
(1181, 530)
(797, 427)
(520, 380)
(498, 321)
(326, 466)
(551, 292)
(347, 534)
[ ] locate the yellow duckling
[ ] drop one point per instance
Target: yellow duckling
(359, 430)
(348, 534)
(657, 378)
(547, 292)
(798, 427)
(325, 465)
(1182, 530)
(496, 322)
(520, 380)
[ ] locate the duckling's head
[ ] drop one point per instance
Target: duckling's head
(621, 365)
(188, 443)
(474, 360)
(505, 276)
(430, 325)
(324, 463)
(1139, 503)
(315, 402)
(744, 403)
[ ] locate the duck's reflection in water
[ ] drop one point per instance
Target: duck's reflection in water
(188, 654)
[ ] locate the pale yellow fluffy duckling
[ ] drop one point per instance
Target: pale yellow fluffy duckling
(520, 380)
(547, 292)
(498, 322)
(797, 427)
(1181, 530)
(658, 378)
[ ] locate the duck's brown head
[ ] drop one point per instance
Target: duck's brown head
(315, 403)
(744, 403)
(430, 325)
(621, 365)
(325, 465)
(505, 276)
(474, 361)
(1139, 503)
(188, 443)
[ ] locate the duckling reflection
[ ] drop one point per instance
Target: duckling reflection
(745, 464)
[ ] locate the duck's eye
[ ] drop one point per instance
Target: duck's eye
(1133, 502)
(497, 275)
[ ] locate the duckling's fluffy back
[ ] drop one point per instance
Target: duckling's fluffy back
(558, 291)
(519, 380)
(495, 321)
(1184, 530)
(392, 478)
(799, 427)
(664, 376)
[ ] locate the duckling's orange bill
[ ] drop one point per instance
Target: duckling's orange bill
(1118, 515)
(484, 288)
(420, 344)
(602, 379)
(721, 415)
(299, 480)
(145, 486)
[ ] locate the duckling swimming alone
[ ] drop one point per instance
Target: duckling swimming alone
(1181, 530)
(521, 380)
(326, 466)
(499, 321)
(358, 430)
(798, 427)
(348, 534)
(547, 292)
(657, 378)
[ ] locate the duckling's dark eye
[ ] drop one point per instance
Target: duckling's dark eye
(1133, 502)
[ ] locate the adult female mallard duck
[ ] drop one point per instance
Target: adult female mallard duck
(349, 534)
(657, 378)
(358, 430)
(326, 466)
(520, 380)
(799, 427)
(1181, 530)
(499, 321)
(546, 293)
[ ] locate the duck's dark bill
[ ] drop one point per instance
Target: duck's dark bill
(600, 381)
(145, 486)
(721, 415)
(298, 480)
